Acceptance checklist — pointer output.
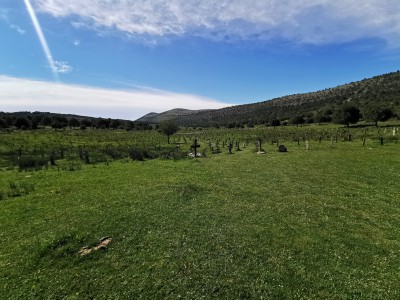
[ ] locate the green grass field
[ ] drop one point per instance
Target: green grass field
(322, 223)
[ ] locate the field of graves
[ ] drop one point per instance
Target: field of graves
(116, 214)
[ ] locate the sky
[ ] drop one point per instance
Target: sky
(126, 58)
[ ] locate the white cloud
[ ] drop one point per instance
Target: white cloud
(302, 21)
(4, 17)
(18, 29)
(77, 42)
(3, 14)
(31, 95)
(62, 67)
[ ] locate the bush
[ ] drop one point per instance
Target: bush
(136, 155)
(19, 189)
(22, 123)
(347, 114)
(3, 124)
(275, 123)
(31, 163)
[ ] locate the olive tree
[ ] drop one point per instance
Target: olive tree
(347, 114)
(376, 113)
(168, 128)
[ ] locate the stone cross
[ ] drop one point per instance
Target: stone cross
(194, 147)
(230, 146)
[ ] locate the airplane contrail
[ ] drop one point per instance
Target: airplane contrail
(42, 39)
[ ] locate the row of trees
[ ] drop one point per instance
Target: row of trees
(350, 114)
(346, 114)
(29, 121)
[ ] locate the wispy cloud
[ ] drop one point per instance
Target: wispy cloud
(31, 95)
(77, 42)
(3, 14)
(62, 67)
(4, 17)
(300, 21)
(18, 29)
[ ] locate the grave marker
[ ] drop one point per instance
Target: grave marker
(194, 147)
(230, 146)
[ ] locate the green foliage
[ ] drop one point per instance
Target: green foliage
(59, 122)
(136, 155)
(103, 123)
(73, 122)
(3, 124)
(114, 124)
(319, 117)
(297, 120)
(168, 128)
(27, 163)
(22, 123)
(347, 114)
(275, 122)
(86, 122)
(17, 189)
(377, 113)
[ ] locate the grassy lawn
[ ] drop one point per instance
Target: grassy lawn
(322, 223)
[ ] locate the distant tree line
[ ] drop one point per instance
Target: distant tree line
(345, 114)
(37, 120)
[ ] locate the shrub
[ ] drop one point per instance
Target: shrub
(22, 123)
(19, 189)
(136, 155)
(347, 114)
(3, 124)
(31, 163)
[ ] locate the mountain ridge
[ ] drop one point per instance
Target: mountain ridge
(168, 115)
(382, 89)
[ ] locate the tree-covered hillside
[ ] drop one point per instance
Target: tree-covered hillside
(380, 92)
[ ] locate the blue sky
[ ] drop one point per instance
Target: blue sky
(125, 58)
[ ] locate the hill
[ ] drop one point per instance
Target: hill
(383, 90)
(170, 114)
(149, 118)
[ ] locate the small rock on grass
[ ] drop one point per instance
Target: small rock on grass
(101, 245)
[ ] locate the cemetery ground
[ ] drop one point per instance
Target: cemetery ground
(322, 223)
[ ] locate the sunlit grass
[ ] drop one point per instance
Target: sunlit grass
(308, 224)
